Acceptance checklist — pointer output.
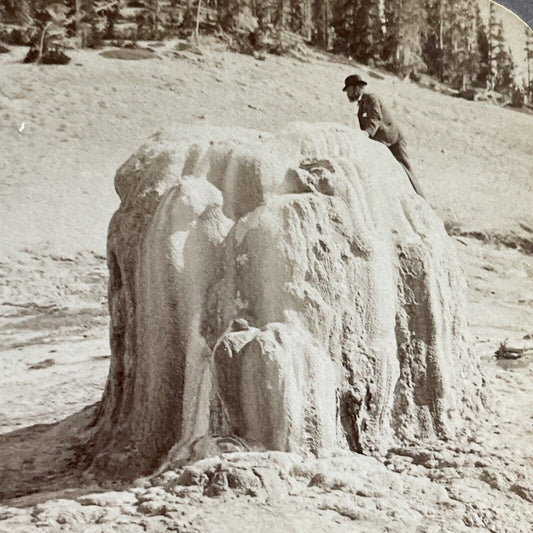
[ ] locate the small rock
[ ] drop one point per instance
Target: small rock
(243, 480)
(494, 479)
(109, 514)
(218, 485)
(108, 499)
(398, 463)
(353, 513)
(192, 477)
(240, 324)
(142, 483)
(153, 508)
(526, 493)
(128, 509)
(447, 459)
(153, 493)
(259, 55)
(10, 512)
(475, 448)
(186, 492)
(424, 458)
(301, 471)
(318, 480)
(168, 479)
(65, 512)
(46, 363)
(369, 493)
(285, 461)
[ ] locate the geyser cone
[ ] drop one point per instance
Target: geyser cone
(291, 291)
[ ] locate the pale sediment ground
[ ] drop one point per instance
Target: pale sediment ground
(83, 120)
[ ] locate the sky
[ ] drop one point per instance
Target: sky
(522, 8)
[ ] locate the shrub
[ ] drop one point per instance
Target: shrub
(517, 98)
(50, 57)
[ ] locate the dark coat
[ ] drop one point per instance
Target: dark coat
(375, 119)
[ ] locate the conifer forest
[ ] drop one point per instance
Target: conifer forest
(447, 40)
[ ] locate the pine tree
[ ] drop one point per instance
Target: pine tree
(282, 14)
(404, 28)
(452, 41)
(462, 56)
(529, 63)
(322, 20)
(456, 43)
(483, 66)
(501, 67)
(152, 17)
(358, 29)
(492, 25)
(227, 10)
(432, 38)
(24, 11)
(301, 20)
(505, 75)
(18, 11)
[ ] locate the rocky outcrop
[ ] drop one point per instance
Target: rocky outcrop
(283, 291)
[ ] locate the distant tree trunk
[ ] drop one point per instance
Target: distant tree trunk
(441, 40)
(491, 46)
(197, 21)
(320, 10)
(24, 12)
(529, 58)
(325, 31)
(156, 18)
(307, 20)
(482, 46)
(42, 43)
(282, 14)
(405, 20)
(77, 18)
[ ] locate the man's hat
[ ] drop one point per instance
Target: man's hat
(354, 79)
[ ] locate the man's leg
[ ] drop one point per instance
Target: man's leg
(399, 151)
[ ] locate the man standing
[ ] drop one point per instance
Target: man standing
(377, 122)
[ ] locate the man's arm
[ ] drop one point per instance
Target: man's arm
(373, 120)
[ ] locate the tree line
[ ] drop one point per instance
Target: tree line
(447, 39)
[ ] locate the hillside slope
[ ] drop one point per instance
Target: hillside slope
(84, 119)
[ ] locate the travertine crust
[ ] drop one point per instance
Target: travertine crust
(288, 290)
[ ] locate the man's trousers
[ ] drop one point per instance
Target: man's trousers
(399, 151)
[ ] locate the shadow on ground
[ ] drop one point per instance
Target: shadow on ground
(46, 457)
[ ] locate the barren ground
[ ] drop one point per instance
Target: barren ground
(81, 121)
